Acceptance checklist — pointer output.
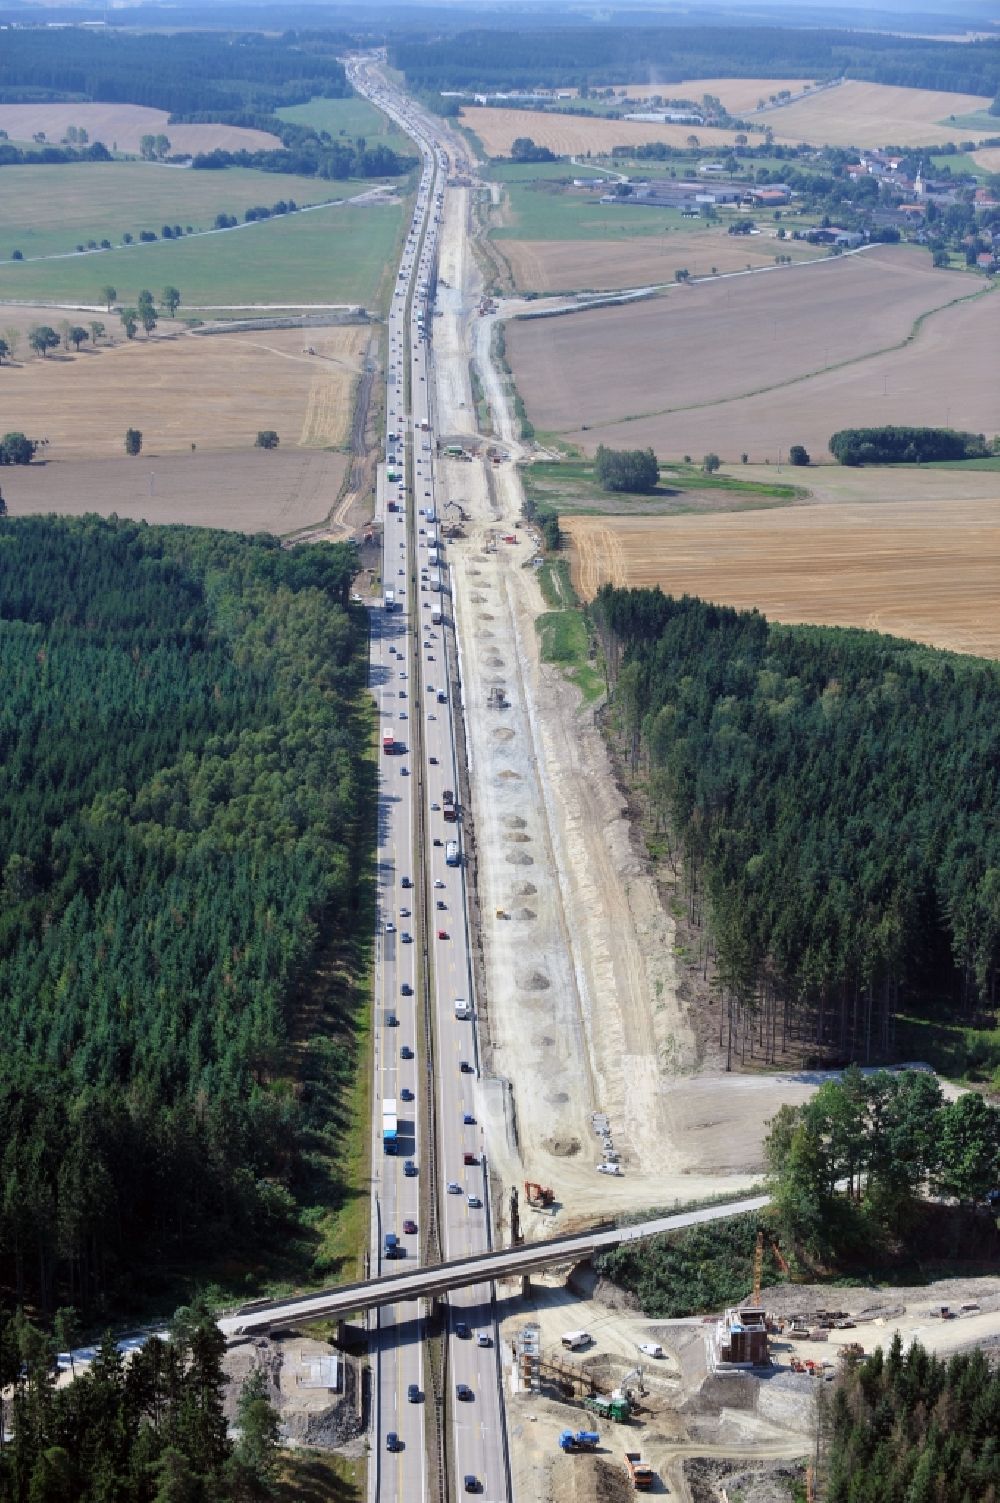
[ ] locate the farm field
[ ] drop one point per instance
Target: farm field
(49, 210)
(870, 114)
(697, 370)
(351, 117)
(336, 254)
(918, 569)
(569, 135)
(585, 265)
(180, 389)
(120, 127)
(987, 159)
(246, 491)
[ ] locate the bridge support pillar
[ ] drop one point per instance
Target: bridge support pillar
(526, 1286)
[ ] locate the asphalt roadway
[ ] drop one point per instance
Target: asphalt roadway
(410, 674)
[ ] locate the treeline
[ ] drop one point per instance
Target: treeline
(850, 1167)
(570, 57)
(902, 445)
(188, 71)
(20, 156)
(912, 1426)
(183, 817)
(314, 159)
(147, 1429)
(832, 795)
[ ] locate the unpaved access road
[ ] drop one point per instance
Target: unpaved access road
(581, 984)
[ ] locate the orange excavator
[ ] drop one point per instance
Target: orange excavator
(539, 1196)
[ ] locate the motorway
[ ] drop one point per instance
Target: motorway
(423, 942)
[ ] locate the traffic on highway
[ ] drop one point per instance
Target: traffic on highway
(428, 1157)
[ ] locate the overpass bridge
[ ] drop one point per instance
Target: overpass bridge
(439, 1278)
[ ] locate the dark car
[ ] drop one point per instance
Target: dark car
(406, 882)
(465, 1067)
(406, 990)
(391, 1020)
(413, 1394)
(471, 1482)
(409, 1167)
(393, 1442)
(406, 1095)
(463, 1391)
(468, 1119)
(406, 1052)
(409, 1227)
(461, 1328)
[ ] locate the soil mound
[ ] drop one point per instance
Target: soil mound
(519, 858)
(524, 889)
(532, 981)
(513, 822)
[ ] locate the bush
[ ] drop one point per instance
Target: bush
(797, 454)
(627, 470)
(266, 439)
(16, 449)
(133, 441)
(711, 463)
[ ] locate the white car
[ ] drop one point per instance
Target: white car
(454, 1188)
(609, 1169)
(390, 927)
(439, 883)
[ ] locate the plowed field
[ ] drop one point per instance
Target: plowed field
(928, 570)
(756, 363)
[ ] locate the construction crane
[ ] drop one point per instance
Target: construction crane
(758, 1267)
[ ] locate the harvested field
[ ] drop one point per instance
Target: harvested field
(698, 369)
(988, 158)
(927, 570)
(568, 135)
(870, 114)
(180, 389)
(120, 127)
(586, 265)
(739, 95)
(248, 490)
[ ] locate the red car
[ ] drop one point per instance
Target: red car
(409, 1227)
(442, 934)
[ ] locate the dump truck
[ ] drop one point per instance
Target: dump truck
(615, 1409)
(582, 1440)
(639, 1471)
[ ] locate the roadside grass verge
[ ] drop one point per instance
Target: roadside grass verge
(992, 463)
(565, 641)
(556, 585)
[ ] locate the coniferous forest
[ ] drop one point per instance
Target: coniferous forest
(182, 826)
(909, 1426)
(833, 795)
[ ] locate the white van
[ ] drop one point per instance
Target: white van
(462, 1008)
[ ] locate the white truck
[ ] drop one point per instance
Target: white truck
(574, 1340)
(462, 1010)
(389, 601)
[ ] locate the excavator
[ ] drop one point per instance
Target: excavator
(539, 1196)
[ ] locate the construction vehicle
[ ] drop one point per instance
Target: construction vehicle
(539, 1196)
(640, 1472)
(583, 1440)
(502, 913)
(609, 1408)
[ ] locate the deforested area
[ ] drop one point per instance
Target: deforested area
(182, 827)
(831, 795)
